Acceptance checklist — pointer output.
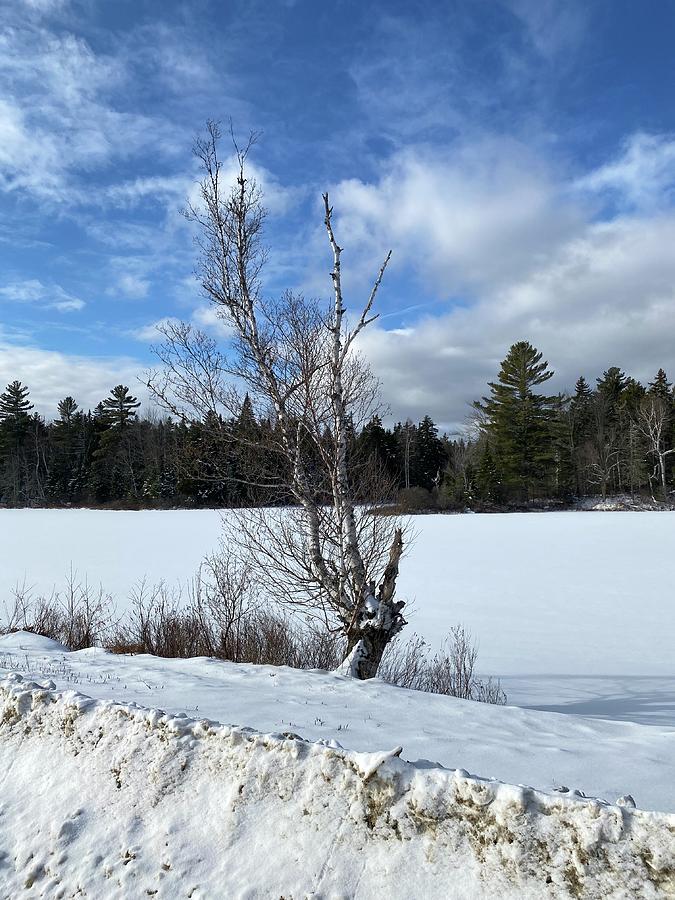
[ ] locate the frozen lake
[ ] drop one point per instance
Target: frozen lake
(574, 611)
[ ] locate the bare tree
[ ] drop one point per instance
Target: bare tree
(605, 463)
(652, 419)
(296, 358)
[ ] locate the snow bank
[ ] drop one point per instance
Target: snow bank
(102, 799)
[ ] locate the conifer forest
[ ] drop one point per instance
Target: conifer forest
(521, 445)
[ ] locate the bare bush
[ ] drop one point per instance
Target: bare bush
(78, 617)
(221, 617)
(451, 670)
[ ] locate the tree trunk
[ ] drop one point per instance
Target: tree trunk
(365, 655)
(380, 620)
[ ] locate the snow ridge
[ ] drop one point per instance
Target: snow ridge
(102, 799)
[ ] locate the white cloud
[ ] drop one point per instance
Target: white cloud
(33, 291)
(553, 28)
(73, 304)
(133, 287)
(465, 219)
(150, 333)
(61, 117)
(642, 176)
(45, 6)
(207, 318)
(528, 258)
(51, 375)
(27, 291)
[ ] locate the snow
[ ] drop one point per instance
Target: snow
(110, 800)
(571, 609)
(545, 750)
(118, 781)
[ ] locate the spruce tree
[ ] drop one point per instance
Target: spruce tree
(519, 421)
(661, 387)
(429, 458)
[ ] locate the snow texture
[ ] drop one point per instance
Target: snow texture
(546, 750)
(103, 799)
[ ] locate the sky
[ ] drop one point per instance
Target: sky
(517, 156)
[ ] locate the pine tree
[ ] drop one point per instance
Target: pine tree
(119, 407)
(405, 435)
(519, 422)
(662, 391)
(116, 471)
(67, 409)
(581, 419)
(377, 446)
(14, 403)
(70, 443)
(610, 388)
(23, 465)
(581, 412)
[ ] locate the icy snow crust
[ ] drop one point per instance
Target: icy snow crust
(103, 799)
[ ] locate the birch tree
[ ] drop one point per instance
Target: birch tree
(297, 360)
(653, 419)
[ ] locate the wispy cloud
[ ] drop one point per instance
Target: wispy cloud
(65, 115)
(641, 176)
(33, 291)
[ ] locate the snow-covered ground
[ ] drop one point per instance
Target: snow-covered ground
(573, 610)
(545, 750)
(107, 799)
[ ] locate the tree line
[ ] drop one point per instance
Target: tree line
(521, 445)
(114, 456)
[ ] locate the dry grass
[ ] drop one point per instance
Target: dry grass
(222, 616)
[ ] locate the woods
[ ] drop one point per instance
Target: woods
(615, 437)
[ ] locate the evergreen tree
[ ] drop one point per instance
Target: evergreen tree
(14, 403)
(116, 471)
(67, 409)
(488, 485)
(564, 471)
(119, 407)
(610, 388)
(581, 419)
(378, 446)
(429, 457)
(661, 387)
(15, 421)
(405, 435)
(70, 443)
(519, 421)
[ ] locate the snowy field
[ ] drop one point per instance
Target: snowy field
(140, 792)
(573, 610)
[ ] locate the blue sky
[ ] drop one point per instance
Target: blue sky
(518, 156)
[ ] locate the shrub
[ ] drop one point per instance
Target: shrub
(451, 670)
